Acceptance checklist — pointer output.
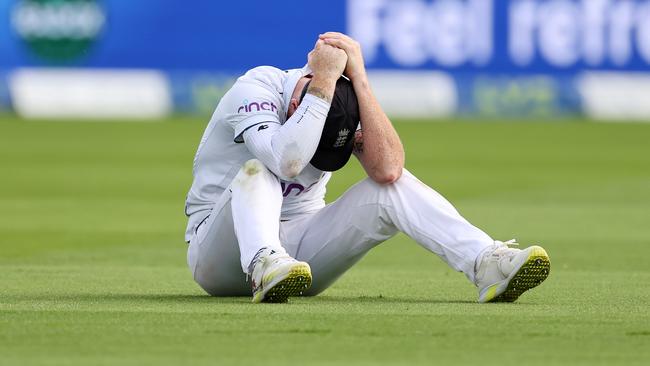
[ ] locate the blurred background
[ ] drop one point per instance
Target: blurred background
(112, 59)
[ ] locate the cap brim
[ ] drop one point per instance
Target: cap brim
(332, 160)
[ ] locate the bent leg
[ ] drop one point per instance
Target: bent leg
(213, 255)
(256, 205)
(243, 220)
(337, 236)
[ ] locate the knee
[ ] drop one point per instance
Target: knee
(253, 167)
(404, 182)
(252, 170)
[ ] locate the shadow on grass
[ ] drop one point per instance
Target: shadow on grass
(206, 299)
(385, 299)
(125, 297)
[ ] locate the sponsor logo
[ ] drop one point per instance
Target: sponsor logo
(262, 127)
(256, 107)
(456, 33)
(412, 33)
(563, 32)
(58, 30)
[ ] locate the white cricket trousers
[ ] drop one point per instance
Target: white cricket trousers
(332, 239)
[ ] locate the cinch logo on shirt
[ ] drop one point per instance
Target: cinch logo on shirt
(255, 106)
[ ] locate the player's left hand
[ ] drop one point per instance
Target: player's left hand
(355, 68)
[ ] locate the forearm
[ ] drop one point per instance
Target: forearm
(381, 153)
(323, 86)
(287, 149)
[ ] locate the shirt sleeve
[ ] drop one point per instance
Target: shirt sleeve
(287, 149)
(249, 104)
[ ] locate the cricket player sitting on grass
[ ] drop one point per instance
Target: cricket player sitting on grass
(257, 216)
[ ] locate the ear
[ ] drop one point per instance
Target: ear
(293, 105)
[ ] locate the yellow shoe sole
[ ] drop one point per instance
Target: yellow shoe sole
(296, 282)
(532, 273)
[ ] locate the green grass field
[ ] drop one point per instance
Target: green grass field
(92, 258)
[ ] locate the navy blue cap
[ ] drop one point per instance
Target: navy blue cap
(337, 140)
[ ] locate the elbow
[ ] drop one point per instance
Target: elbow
(388, 177)
(291, 168)
(291, 162)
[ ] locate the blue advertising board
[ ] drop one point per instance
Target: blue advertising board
(503, 36)
(162, 34)
(454, 35)
(524, 52)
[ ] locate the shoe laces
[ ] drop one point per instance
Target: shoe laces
(499, 250)
(256, 258)
(273, 256)
(497, 253)
(511, 242)
(501, 247)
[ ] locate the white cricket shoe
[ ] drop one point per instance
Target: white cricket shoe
(276, 276)
(504, 273)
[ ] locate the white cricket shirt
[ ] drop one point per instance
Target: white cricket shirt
(261, 95)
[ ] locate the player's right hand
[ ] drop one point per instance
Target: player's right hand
(327, 61)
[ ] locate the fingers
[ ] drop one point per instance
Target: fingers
(333, 35)
(339, 43)
(319, 43)
(339, 40)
